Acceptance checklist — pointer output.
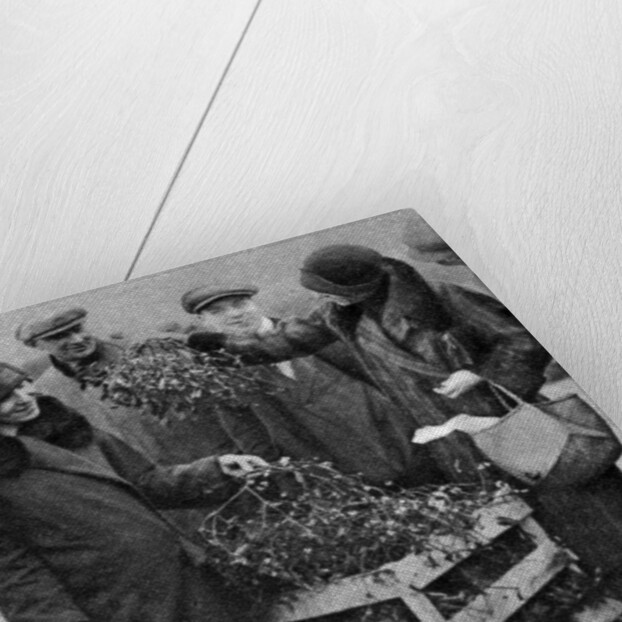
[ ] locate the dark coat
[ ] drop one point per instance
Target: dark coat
(183, 442)
(588, 519)
(410, 337)
(324, 413)
(81, 538)
(415, 335)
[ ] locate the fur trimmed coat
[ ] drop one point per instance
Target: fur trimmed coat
(81, 537)
(415, 334)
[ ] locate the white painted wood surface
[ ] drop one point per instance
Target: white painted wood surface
(98, 102)
(499, 120)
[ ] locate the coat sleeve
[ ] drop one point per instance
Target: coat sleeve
(339, 356)
(249, 433)
(291, 338)
(29, 591)
(195, 484)
(505, 351)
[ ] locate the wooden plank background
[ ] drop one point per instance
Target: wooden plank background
(499, 120)
(98, 103)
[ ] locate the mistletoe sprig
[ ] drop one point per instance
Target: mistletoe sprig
(297, 524)
(168, 380)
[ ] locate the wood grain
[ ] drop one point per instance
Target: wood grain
(98, 101)
(500, 121)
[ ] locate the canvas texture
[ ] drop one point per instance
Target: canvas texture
(341, 347)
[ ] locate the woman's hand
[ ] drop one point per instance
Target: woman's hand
(460, 423)
(458, 383)
(240, 465)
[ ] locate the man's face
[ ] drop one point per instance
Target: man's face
(69, 346)
(233, 315)
(19, 406)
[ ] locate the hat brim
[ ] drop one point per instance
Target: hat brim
(244, 293)
(58, 329)
(316, 283)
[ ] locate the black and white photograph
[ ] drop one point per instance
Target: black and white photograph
(344, 426)
(310, 311)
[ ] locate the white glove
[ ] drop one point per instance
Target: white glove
(458, 383)
(240, 465)
(461, 423)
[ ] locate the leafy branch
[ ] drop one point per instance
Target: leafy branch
(168, 380)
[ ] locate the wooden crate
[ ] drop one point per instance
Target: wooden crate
(408, 578)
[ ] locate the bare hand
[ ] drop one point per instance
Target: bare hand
(240, 465)
(458, 383)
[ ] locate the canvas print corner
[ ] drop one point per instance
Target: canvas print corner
(346, 426)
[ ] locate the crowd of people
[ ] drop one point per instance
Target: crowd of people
(86, 486)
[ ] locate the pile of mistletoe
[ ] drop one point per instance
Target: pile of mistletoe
(168, 380)
(300, 524)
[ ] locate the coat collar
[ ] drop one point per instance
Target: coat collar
(43, 455)
(411, 302)
(58, 424)
(57, 427)
(408, 302)
(20, 454)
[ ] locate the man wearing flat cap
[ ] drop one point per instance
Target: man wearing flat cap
(61, 334)
(74, 351)
(322, 405)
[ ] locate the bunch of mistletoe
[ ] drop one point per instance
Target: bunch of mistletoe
(167, 379)
(301, 523)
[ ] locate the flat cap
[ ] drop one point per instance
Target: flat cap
(199, 297)
(10, 378)
(50, 325)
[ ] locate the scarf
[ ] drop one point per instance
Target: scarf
(56, 424)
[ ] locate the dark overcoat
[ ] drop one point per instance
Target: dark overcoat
(409, 338)
(185, 441)
(81, 538)
(320, 410)
(413, 336)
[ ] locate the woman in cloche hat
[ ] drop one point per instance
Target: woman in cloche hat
(429, 348)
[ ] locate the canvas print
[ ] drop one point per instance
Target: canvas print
(347, 426)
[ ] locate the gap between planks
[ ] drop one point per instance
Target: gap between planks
(191, 142)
